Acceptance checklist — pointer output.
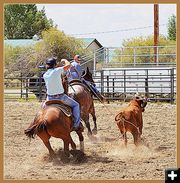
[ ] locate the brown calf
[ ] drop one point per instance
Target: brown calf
(130, 119)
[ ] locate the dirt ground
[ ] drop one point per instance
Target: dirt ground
(105, 155)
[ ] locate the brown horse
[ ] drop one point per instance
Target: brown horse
(83, 96)
(51, 121)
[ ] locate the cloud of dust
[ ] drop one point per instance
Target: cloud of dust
(118, 149)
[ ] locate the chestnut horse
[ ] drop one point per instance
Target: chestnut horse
(51, 121)
(80, 92)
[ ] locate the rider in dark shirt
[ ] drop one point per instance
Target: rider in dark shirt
(75, 72)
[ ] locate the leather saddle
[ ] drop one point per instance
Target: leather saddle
(60, 105)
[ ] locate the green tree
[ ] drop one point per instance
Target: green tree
(25, 60)
(57, 43)
(23, 21)
(172, 28)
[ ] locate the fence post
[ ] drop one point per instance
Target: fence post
(134, 56)
(146, 84)
(21, 86)
(94, 66)
(124, 73)
(26, 88)
(40, 87)
(105, 56)
(157, 55)
(102, 82)
(113, 87)
(108, 88)
(172, 85)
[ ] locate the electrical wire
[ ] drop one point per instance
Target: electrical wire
(121, 30)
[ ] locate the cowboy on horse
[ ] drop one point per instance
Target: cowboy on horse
(75, 72)
(55, 90)
(53, 120)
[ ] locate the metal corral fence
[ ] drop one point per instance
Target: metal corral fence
(24, 88)
(136, 56)
(141, 54)
(158, 84)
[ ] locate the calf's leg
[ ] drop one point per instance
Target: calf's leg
(137, 139)
(125, 139)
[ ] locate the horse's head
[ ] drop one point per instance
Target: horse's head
(87, 75)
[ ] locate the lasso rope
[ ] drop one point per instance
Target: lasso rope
(124, 120)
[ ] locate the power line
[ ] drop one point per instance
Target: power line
(121, 30)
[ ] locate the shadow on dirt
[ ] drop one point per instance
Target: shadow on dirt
(76, 157)
(95, 158)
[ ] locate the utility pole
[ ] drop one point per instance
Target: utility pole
(156, 30)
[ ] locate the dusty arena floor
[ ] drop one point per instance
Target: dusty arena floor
(105, 155)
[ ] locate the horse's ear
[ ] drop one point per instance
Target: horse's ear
(83, 72)
(87, 69)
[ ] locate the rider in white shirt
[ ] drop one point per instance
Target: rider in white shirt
(55, 90)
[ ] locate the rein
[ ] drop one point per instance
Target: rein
(72, 87)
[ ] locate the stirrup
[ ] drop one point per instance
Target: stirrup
(80, 128)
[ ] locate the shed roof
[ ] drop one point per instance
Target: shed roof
(89, 41)
(20, 42)
(31, 42)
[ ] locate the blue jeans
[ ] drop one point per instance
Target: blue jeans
(73, 104)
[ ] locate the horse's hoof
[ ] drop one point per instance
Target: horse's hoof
(89, 134)
(94, 131)
(65, 158)
(52, 156)
(78, 156)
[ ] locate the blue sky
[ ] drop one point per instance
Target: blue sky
(110, 23)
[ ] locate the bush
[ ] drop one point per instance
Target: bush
(56, 43)
(18, 61)
(25, 60)
(144, 47)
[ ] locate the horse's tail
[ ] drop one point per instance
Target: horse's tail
(37, 125)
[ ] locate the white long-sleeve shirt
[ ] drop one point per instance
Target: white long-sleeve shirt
(52, 78)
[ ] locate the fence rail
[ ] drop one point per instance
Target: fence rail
(116, 84)
(134, 56)
(157, 84)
